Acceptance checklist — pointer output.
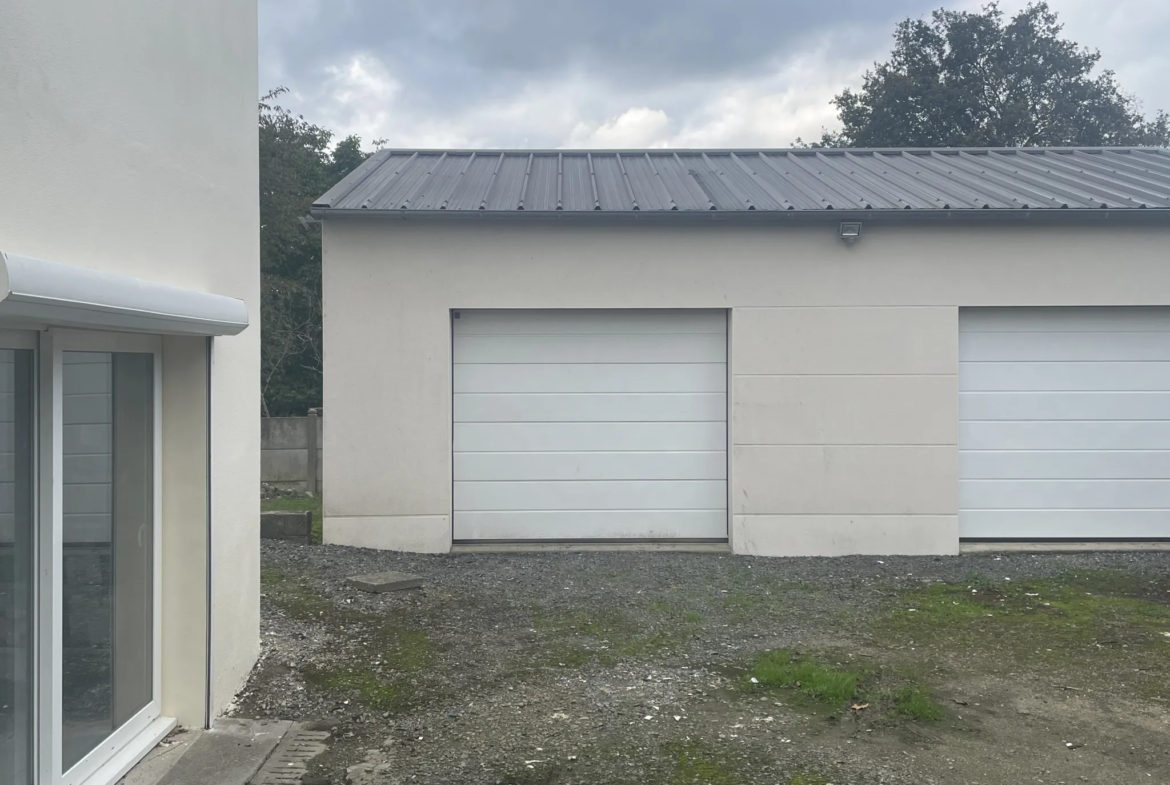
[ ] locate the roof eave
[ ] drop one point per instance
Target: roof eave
(1066, 216)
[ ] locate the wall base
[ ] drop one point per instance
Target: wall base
(411, 533)
(845, 535)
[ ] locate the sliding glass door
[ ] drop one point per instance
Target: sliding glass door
(17, 564)
(107, 554)
(79, 552)
(105, 549)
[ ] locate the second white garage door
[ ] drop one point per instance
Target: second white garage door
(1064, 428)
(590, 425)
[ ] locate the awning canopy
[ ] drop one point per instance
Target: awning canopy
(49, 293)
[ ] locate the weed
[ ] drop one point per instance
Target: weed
(916, 703)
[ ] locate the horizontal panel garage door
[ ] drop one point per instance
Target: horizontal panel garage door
(588, 425)
(1064, 423)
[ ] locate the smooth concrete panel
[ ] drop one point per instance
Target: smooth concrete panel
(412, 533)
(802, 304)
(284, 465)
(845, 535)
(387, 442)
(845, 479)
(184, 530)
(845, 409)
(845, 341)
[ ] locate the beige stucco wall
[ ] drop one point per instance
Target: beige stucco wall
(843, 362)
(129, 145)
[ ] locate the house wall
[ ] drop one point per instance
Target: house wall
(129, 145)
(844, 359)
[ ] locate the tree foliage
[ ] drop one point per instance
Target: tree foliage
(976, 79)
(296, 166)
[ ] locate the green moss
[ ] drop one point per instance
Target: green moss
(608, 636)
(364, 685)
(271, 577)
(696, 763)
(1081, 608)
(295, 599)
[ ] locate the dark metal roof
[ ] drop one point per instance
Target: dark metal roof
(695, 181)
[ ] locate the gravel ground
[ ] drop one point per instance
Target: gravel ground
(629, 667)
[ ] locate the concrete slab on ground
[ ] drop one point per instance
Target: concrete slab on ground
(228, 754)
(162, 758)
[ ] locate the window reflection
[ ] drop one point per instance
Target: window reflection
(16, 566)
(108, 545)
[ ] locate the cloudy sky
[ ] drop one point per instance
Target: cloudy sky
(624, 73)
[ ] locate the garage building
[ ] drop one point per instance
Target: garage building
(794, 352)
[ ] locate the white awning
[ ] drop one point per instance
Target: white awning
(49, 293)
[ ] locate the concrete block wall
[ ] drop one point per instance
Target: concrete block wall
(284, 451)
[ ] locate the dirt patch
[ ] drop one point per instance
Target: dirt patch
(636, 667)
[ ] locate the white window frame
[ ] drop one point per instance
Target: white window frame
(141, 731)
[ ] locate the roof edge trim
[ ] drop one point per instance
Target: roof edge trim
(62, 295)
(1016, 215)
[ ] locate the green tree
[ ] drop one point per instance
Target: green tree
(296, 166)
(974, 79)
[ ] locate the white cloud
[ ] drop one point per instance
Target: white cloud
(638, 126)
(769, 105)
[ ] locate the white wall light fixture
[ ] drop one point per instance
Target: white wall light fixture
(850, 231)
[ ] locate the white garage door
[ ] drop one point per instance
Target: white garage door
(590, 425)
(1064, 425)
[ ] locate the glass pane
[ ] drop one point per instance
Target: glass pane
(16, 566)
(108, 553)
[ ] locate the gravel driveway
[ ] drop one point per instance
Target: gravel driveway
(624, 667)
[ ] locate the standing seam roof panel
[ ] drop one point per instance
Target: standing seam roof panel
(1114, 171)
(876, 190)
(1045, 187)
(1089, 185)
(1019, 189)
(922, 191)
(755, 180)
(1113, 183)
(920, 170)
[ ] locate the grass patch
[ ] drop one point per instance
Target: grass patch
(916, 703)
(831, 688)
(297, 504)
(1101, 607)
(1110, 626)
